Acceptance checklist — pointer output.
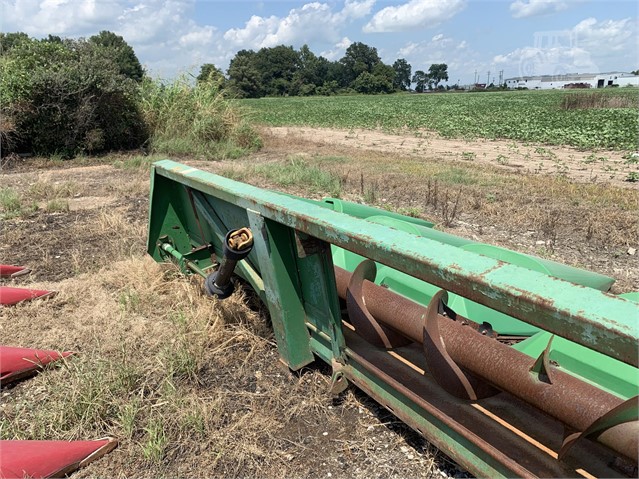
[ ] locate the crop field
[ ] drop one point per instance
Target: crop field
(585, 120)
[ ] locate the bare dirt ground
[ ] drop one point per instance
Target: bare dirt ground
(609, 167)
(192, 386)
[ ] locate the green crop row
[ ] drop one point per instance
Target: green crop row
(531, 116)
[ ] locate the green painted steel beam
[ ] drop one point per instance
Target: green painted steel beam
(584, 315)
(278, 268)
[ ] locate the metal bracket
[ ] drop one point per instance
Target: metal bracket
(339, 383)
(541, 368)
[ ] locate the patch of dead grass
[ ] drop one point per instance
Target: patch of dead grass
(190, 385)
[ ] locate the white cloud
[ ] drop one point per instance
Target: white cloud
(407, 49)
(311, 22)
(531, 8)
(460, 58)
(198, 36)
(354, 9)
(413, 15)
(606, 36)
(338, 50)
(57, 17)
(162, 32)
(591, 46)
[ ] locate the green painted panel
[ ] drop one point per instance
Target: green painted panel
(633, 296)
(552, 268)
(595, 368)
(273, 244)
(364, 211)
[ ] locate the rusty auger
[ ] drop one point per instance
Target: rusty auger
(471, 366)
(510, 364)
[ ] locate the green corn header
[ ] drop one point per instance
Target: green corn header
(510, 364)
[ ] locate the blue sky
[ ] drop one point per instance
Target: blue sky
(513, 36)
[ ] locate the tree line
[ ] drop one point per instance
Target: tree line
(68, 96)
(284, 71)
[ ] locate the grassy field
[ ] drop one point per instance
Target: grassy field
(583, 119)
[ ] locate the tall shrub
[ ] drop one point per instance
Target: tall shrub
(67, 97)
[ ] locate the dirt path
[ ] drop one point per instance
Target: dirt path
(584, 166)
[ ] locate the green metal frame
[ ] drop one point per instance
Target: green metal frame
(599, 321)
(291, 268)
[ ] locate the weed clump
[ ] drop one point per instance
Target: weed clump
(199, 120)
(66, 98)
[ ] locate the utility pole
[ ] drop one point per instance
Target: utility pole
(501, 77)
(488, 78)
(475, 82)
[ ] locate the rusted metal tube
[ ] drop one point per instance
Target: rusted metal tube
(573, 402)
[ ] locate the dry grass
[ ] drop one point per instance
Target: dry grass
(492, 196)
(47, 189)
(191, 386)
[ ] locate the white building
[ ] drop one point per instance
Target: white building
(553, 82)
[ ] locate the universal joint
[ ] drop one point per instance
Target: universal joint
(237, 245)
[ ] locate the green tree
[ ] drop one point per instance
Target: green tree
(336, 72)
(421, 80)
(52, 39)
(369, 83)
(244, 76)
(385, 74)
(636, 72)
(358, 58)
(68, 97)
(328, 88)
(121, 52)
(9, 40)
(310, 73)
(402, 78)
(438, 72)
(276, 67)
(209, 73)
